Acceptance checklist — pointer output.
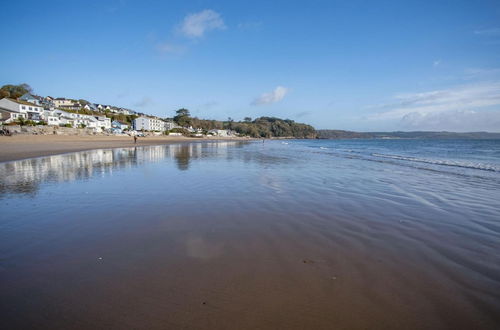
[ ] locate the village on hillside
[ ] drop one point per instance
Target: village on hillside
(30, 109)
(22, 111)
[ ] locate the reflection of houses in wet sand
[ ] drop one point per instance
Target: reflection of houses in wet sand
(31, 172)
(151, 154)
(24, 176)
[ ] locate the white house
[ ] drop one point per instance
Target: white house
(103, 122)
(51, 118)
(221, 132)
(90, 107)
(16, 107)
(148, 124)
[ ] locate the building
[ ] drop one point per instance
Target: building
(103, 122)
(170, 125)
(221, 132)
(62, 102)
(12, 108)
(28, 97)
(90, 107)
(119, 126)
(148, 124)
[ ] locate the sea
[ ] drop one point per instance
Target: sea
(291, 234)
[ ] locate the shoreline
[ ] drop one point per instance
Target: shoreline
(20, 147)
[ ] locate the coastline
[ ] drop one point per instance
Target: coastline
(20, 147)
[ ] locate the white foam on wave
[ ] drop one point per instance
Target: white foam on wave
(477, 166)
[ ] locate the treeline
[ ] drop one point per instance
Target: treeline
(265, 127)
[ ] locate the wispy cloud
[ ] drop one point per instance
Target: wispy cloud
(197, 24)
(468, 97)
(453, 120)
(492, 32)
(436, 63)
(460, 108)
(268, 98)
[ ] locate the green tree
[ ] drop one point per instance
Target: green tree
(183, 117)
(15, 91)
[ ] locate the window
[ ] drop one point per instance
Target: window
(31, 108)
(23, 107)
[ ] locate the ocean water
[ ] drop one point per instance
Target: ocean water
(281, 234)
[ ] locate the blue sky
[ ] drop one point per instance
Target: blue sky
(357, 65)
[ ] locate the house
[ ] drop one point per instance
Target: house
(103, 122)
(62, 102)
(102, 107)
(90, 107)
(31, 111)
(9, 116)
(50, 117)
(170, 125)
(118, 125)
(127, 112)
(221, 132)
(148, 124)
(28, 97)
(64, 117)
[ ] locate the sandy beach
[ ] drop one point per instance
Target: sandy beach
(302, 234)
(27, 146)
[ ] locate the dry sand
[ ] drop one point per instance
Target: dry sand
(28, 146)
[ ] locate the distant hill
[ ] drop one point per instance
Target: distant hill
(339, 134)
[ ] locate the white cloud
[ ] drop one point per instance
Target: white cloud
(195, 25)
(453, 120)
(436, 63)
(459, 108)
(275, 96)
(468, 97)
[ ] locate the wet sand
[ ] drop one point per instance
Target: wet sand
(244, 236)
(28, 146)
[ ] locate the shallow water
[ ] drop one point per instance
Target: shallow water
(282, 234)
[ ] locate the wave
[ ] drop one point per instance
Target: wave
(477, 166)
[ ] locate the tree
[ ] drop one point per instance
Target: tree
(183, 117)
(15, 91)
(247, 119)
(183, 112)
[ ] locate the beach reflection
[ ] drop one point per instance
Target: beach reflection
(25, 176)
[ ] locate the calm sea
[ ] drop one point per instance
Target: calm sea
(281, 234)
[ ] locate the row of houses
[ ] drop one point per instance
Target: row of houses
(49, 102)
(52, 111)
(12, 110)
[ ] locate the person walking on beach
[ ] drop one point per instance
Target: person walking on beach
(135, 138)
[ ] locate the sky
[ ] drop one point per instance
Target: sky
(353, 65)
